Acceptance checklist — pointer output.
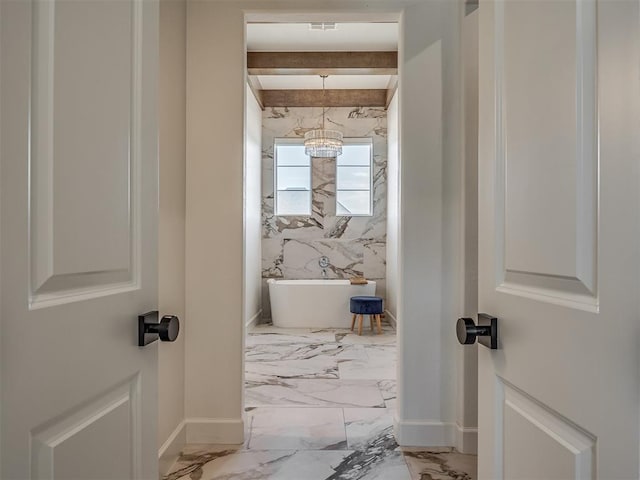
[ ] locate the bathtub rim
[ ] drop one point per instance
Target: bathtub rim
(315, 282)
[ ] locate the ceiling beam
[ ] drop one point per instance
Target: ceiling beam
(317, 63)
(331, 98)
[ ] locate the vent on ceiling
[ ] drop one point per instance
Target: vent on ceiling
(322, 26)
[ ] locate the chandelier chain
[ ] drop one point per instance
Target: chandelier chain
(322, 143)
(324, 97)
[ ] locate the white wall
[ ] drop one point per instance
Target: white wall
(430, 152)
(467, 371)
(171, 240)
(171, 251)
(252, 210)
(393, 219)
(214, 225)
(430, 159)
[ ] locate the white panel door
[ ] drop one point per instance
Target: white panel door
(78, 227)
(560, 239)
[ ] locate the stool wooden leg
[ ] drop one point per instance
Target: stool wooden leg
(353, 321)
(371, 322)
(360, 324)
(379, 324)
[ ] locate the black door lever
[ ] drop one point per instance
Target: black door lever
(486, 331)
(149, 329)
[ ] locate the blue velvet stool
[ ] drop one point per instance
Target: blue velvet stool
(361, 306)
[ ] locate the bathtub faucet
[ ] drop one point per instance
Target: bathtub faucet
(323, 262)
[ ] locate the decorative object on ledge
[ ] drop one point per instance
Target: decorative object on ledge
(323, 143)
(358, 281)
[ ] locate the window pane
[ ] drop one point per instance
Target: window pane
(353, 203)
(353, 178)
(293, 178)
(291, 155)
(293, 203)
(355, 155)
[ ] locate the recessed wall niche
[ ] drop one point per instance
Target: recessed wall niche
(355, 246)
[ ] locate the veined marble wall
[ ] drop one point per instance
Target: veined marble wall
(355, 246)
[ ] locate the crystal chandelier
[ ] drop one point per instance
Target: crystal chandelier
(320, 142)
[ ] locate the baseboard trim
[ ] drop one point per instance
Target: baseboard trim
(171, 448)
(424, 434)
(229, 431)
(392, 319)
(253, 321)
(467, 440)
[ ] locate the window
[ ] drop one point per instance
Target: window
(292, 178)
(353, 178)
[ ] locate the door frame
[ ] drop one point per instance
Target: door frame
(409, 431)
(430, 242)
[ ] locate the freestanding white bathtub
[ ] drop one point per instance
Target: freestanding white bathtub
(314, 303)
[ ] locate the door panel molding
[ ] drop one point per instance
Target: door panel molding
(577, 445)
(123, 400)
(97, 264)
(559, 398)
(569, 279)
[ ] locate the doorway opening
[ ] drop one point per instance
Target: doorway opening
(425, 413)
(311, 382)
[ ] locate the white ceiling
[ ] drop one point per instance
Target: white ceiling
(298, 37)
(284, 82)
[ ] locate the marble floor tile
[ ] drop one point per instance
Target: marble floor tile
(320, 404)
(297, 428)
(382, 353)
(269, 328)
(440, 465)
(193, 457)
(317, 367)
(386, 329)
(391, 405)
(312, 465)
(372, 369)
(388, 389)
(315, 393)
(379, 459)
(388, 337)
(352, 352)
(393, 467)
(363, 425)
(303, 351)
(259, 465)
(332, 330)
(292, 335)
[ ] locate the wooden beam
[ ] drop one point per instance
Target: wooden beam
(332, 98)
(317, 63)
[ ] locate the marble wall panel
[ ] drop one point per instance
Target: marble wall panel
(301, 259)
(374, 257)
(272, 258)
(355, 246)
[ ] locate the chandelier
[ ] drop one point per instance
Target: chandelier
(320, 142)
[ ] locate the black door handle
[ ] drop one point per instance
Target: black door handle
(149, 329)
(486, 331)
